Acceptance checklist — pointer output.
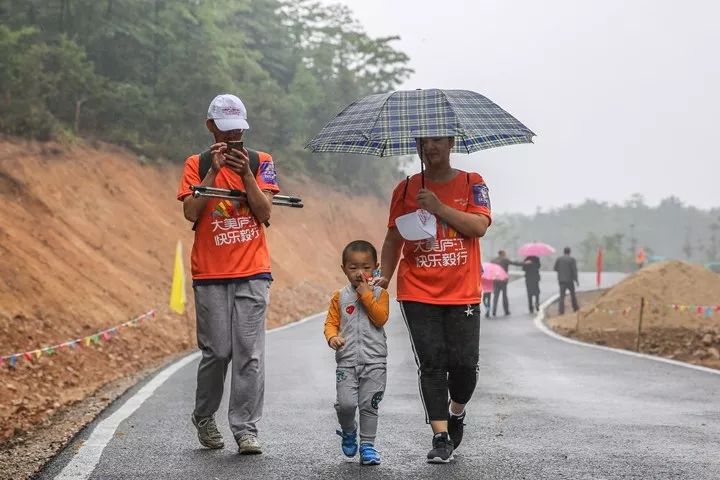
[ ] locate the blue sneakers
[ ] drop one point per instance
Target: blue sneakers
(368, 454)
(349, 442)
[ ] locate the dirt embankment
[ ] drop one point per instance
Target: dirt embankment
(680, 320)
(87, 238)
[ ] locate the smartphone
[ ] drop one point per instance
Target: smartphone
(235, 145)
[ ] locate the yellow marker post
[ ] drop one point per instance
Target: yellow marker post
(177, 291)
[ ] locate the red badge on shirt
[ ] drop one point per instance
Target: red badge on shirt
(350, 309)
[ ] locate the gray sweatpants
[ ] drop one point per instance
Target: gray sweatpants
(231, 326)
(360, 387)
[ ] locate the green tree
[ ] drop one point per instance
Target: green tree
(142, 72)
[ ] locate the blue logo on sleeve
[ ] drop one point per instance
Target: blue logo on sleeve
(267, 173)
(481, 197)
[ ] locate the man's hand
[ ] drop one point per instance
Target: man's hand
(336, 342)
(429, 201)
(238, 161)
(363, 287)
(382, 282)
(218, 159)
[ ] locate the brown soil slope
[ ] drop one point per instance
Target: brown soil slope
(87, 238)
(671, 323)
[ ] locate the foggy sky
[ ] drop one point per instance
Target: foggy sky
(624, 95)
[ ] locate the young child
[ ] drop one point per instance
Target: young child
(354, 329)
(486, 300)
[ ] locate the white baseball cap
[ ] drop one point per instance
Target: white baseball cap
(228, 112)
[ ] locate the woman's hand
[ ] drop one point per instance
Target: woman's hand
(429, 201)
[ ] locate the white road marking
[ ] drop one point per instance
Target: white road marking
(88, 454)
(540, 324)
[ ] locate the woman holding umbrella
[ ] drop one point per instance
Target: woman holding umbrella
(438, 275)
(438, 286)
(491, 273)
(531, 267)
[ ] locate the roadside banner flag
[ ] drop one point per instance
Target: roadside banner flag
(97, 339)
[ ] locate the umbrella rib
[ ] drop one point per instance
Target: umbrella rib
(377, 119)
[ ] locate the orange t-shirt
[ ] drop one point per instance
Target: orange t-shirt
(229, 241)
(445, 271)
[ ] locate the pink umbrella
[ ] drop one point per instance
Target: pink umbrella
(487, 285)
(492, 272)
(536, 249)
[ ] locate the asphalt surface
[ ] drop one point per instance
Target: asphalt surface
(543, 408)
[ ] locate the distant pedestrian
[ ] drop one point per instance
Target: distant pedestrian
(640, 258)
(487, 301)
(531, 267)
(566, 268)
(500, 286)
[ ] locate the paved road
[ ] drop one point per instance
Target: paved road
(543, 409)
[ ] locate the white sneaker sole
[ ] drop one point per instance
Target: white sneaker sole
(440, 460)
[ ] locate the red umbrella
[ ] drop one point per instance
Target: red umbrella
(536, 249)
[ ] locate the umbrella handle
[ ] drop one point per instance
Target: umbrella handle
(422, 165)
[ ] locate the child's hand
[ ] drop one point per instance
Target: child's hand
(336, 342)
(363, 286)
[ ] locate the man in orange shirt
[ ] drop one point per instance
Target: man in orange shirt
(438, 286)
(231, 276)
(640, 258)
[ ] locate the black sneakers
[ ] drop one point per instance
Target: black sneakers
(456, 424)
(442, 451)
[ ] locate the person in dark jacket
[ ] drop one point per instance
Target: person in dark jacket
(566, 268)
(500, 286)
(531, 267)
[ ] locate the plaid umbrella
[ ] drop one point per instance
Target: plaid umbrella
(387, 124)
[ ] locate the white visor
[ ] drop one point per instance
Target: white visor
(417, 225)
